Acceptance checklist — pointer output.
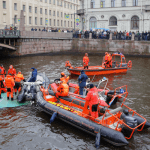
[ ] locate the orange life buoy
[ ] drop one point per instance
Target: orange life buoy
(130, 64)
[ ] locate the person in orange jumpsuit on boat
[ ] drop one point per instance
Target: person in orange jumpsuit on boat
(2, 86)
(92, 98)
(12, 70)
(86, 61)
(10, 83)
(110, 60)
(64, 78)
(18, 78)
(2, 72)
(107, 60)
(62, 90)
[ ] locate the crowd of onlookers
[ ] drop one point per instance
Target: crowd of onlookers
(10, 28)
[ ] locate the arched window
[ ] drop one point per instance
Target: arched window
(123, 3)
(93, 22)
(113, 21)
(135, 22)
(92, 3)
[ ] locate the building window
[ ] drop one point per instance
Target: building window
(45, 1)
(54, 2)
(35, 20)
(57, 22)
(50, 1)
(40, 10)
(102, 3)
(53, 13)
(113, 21)
(4, 4)
(36, 10)
(71, 6)
(45, 11)
(29, 20)
(112, 3)
(24, 8)
(30, 9)
(123, 3)
(68, 23)
(135, 2)
(92, 4)
(93, 22)
(57, 13)
(61, 23)
(64, 23)
(40, 21)
(135, 22)
(41, 0)
(15, 6)
(65, 4)
(61, 3)
(71, 23)
(50, 22)
(49, 12)
(61, 14)
(15, 19)
(57, 2)
(54, 22)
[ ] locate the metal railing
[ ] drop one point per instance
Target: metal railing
(9, 33)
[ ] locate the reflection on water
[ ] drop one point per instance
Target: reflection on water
(27, 127)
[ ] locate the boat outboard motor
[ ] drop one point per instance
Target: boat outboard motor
(130, 121)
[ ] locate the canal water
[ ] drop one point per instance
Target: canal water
(28, 128)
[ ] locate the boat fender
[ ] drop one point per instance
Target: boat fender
(98, 139)
(53, 117)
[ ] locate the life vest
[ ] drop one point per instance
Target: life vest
(12, 71)
(19, 77)
(9, 81)
(85, 60)
(63, 88)
(64, 79)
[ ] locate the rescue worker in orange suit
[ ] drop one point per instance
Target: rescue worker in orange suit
(86, 61)
(3, 72)
(18, 79)
(63, 78)
(110, 60)
(107, 60)
(2, 86)
(10, 83)
(12, 71)
(62, 90)
(92, 98)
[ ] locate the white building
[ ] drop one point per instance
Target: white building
(38, 13)
(120, 15)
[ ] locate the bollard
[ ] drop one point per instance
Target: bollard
(110, 36)
(132, 39)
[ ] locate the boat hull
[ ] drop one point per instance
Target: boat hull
(91, 72)
(114, 137)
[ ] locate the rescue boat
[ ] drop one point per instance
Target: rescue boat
(29, 89)
(115, 126)
(119, 65)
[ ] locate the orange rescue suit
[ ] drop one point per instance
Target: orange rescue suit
(63, 90)
(3, 72)
(9, 84)
(2, 86)
(108, 60)
(18, 79)
(85, 61)
(65, 79)
(92, 99)
(12, 71)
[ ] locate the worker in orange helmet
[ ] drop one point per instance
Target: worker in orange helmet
(10, 83)
(86, 61)
(64, 78)
(18, 78)
(68, 64)
(107, 59)
(110, 60)
(12, 70)
(92, 99)
(2, 72)
(2, 86)
(62, 90)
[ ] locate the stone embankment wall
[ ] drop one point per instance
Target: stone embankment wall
(38, 46)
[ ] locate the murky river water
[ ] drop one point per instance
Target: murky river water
(28, 128)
